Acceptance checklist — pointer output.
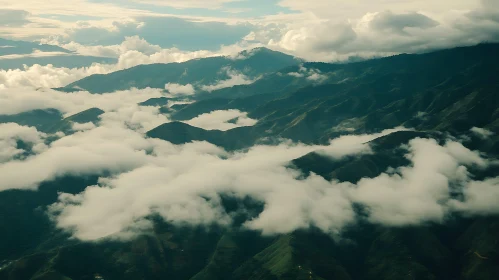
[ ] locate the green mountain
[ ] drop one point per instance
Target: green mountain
(203, 71)
(41, 119)
(23, 47)
(438, 94)
(66, 124)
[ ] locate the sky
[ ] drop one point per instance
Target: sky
(322, 30)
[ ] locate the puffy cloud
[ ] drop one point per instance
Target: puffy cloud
(481, 132)
(21, 100)
(222, 120)
(48, 76)
(235, 78)
(92, 152)
(132, 116)
(11, 133)
(480, 197)
(131, 52)
(354, 144)
(177, 89)
(313, 75)
(183, 183)
(387, 21)
(187, 33)
(320, 36)
(418, 193)
(82, 126)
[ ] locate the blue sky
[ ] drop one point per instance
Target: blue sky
(239, 9)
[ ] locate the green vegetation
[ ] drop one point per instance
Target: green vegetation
(443, 92)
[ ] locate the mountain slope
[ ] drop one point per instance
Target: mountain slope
(203, 71)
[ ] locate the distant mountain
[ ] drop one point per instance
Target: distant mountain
(68, 61)
(203, 71)
(8, 47)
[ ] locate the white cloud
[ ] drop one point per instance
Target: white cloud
(235, 78)
(11, 133)
(183, 183)
(132, 52)
(83, 126)
(354, 144)
(132, 116)
(419, 193)
(481, 132)
(36, 53)
(21, 100)
(313, 75)
(480, 197)
(219, 120)
(177, 89)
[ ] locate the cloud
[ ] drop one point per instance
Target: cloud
(481, 132)
(177, 89)
(397, 23)
(480, 198)
(16, 101)
(11, 133)
(34, 54)
(354, 144)
(235, 78)
(13, 18)
(183, 33)
(183, 183)
(83, 126)
(418, 193)
(135, 117)
(220, 120)
(132, 52)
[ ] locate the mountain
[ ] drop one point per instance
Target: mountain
(57, 60)
(9, 47)
(181, 133)
(66, 125)
(451, 90)
(205, 71)
(440, 94)
(41, 119)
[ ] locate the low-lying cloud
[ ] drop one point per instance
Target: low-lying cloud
(178, 89)
(222, 120)
(20, 100)
(235, 78)
(12, 133)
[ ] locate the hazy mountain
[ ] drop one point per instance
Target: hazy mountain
(9, 47)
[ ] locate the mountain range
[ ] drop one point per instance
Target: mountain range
(435, 95)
